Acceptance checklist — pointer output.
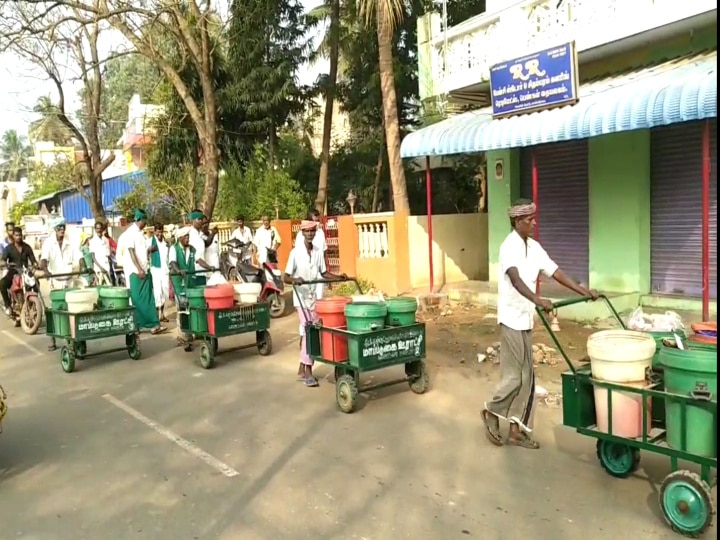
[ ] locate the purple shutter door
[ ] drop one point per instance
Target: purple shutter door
(676, 209)
(562, 201)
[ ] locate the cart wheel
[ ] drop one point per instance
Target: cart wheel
(67, 359)
(618, 460)
(264, 342)
(133, 346)
(346, 393)
(686, 503)
(419, 379)
(207, 359)
(214, 345)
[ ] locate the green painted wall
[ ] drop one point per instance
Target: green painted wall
(501, 193)
(619, 206)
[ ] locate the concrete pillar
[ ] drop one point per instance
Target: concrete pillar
(502, 190)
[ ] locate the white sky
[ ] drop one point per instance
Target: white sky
(22, 87)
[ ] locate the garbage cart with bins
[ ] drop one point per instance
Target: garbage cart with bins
(209, 313)
(616, 398)
(80, 315)
(362, 334)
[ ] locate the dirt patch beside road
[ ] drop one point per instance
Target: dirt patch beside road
(456, 336)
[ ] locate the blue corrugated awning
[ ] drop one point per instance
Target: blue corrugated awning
(676, 91)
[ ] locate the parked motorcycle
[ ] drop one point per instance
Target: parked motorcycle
(26, 305)
(234, 267)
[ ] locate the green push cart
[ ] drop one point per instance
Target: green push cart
(684, 496)
(377, 349)
(79, 328)
(209, 325)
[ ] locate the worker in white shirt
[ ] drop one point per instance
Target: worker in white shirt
(521, 261)
(319, 242)
(57, 257)
(99, 247)
(266, 238)
(136, 266)
(306, 263)
(244, 235)
(158, 252)
(197, 241)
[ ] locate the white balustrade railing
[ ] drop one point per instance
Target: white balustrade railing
(464, 54)
(373, 240)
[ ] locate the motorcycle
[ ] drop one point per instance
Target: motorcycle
(234, 265)
(26, 305)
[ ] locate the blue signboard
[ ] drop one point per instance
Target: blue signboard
(538, 81)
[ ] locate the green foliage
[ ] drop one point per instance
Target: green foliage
(43, 180)
(348, 288)
(253, 190)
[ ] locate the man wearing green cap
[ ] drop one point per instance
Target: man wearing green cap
(197, 241)
(139, 280)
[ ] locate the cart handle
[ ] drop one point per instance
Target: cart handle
(193, 272)
(48, 275)
(304, 308)
(571, 302)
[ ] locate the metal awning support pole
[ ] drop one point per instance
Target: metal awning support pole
(428, 194)
(706, 221)
(536, 235)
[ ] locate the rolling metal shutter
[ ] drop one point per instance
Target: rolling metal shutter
(676, 209)
(562, 202)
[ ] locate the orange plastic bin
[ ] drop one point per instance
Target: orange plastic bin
(218, 297)
(331, 312)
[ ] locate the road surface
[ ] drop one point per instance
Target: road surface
(162, 449)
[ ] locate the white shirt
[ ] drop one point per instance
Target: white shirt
(197, 241)
(136, 240)
(264, 240)
(162, 250)
(212, 253)
(320, 243)
(60, 259)
(514, 310)
(172, 254)
(310, 267)
(244, 235)
(100, 248)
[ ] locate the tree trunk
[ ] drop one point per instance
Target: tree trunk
(390, 110)
(378, 174)
(211, 166)
(321, 200)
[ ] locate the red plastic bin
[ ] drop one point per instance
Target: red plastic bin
(331, 312)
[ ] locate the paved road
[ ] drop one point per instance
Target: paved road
(161, 449)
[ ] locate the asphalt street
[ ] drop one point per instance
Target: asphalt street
(161, 449)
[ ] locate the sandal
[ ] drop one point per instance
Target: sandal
(158, 330)
(492, 428)
(311, 382)
(164, 319)
(523, 440)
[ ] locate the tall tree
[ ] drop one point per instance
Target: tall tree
(60, 47)
(329, 84)
(49, 127)
(385, 15)
(14, 154)
(188, 26)
(267, 44)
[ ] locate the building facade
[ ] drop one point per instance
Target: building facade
(618, 148)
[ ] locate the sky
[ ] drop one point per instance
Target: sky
(22, 87)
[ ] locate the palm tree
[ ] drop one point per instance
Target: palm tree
(386, 15)
(14, 155)
(49, 127)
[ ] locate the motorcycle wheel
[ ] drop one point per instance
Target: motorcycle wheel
(31, 315)
(277, 305)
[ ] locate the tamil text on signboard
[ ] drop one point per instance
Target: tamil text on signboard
(538, 81)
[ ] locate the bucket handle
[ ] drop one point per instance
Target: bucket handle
(701, 392)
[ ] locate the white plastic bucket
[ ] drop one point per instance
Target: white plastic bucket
(82, 300)
(247, 293)
(620, 356)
